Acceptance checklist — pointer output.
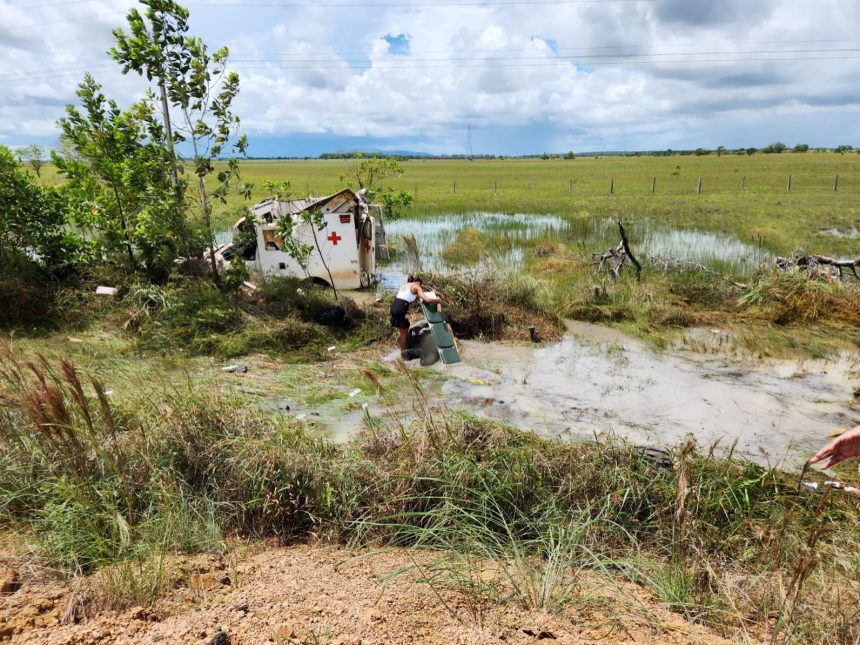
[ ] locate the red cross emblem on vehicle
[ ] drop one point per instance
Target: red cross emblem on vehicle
(334, 238)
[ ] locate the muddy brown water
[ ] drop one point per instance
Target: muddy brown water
(599, 382)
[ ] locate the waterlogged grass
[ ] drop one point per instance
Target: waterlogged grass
(116, 487)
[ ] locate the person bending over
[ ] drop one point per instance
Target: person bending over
(409, 292)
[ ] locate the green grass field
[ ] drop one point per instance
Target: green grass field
(765, 212)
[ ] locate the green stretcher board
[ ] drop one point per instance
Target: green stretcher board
(448, 352)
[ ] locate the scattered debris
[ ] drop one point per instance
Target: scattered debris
(355, 392)
(533, 334)
(73, 339)
(838, 432)
(819, 266)
(235, 369)
(102, 290)
(332, 348)
(248, 288)
(831, 484)
(300, 417)
(477, 381)
(657, 456)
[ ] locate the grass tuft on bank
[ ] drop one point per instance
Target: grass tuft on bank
(117, 487)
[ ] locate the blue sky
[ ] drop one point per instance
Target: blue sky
(529, 77)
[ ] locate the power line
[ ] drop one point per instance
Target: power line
(413, 61)
(557, 58)
(482, 64)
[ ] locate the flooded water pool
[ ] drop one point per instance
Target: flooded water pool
(598, 382)
(516, 231)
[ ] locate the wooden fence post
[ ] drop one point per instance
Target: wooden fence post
(744, 182)
(788, 184)
(653, 184)
(699, 187)
(455, 186)
(612, 186)
(835, 183)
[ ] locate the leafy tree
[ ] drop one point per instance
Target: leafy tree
(368, 173)
(720, 150)
(395, 203)
(774, 148)
(701, 152)
(198, 86)
(294, 247)
(801, 147)
(569, 155)
(751, 151)
(843, 149)
(146, 49)
(33, 224)
(35, 155)
(114, 162)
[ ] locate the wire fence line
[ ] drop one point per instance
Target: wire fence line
(699, 185)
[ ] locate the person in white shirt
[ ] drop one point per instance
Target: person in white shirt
(409, 292)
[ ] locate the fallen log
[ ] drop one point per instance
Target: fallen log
(818, 265)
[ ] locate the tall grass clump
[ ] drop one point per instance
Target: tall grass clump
(497, 304)
(285, 317)
(794, 297)
(493, 515)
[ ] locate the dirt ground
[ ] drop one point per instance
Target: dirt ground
(320, 594)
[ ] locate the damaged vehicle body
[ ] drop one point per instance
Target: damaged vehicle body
(348, 241)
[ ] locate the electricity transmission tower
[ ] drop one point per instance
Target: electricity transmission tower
(469, 141)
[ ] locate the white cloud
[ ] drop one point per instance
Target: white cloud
(709, 78)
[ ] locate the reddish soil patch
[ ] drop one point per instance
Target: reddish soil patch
(319, 594)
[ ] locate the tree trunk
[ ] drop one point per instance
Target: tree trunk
(207, 218)
(168, 131)
(122, 219)
(204, 203)
(322, 259)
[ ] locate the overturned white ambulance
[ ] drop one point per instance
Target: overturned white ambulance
(347, 243)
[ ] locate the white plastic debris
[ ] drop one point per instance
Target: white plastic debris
(238, 369)
(102, 290)
(811, 485)
(332, 348)
(301, 416)
(355, 392)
